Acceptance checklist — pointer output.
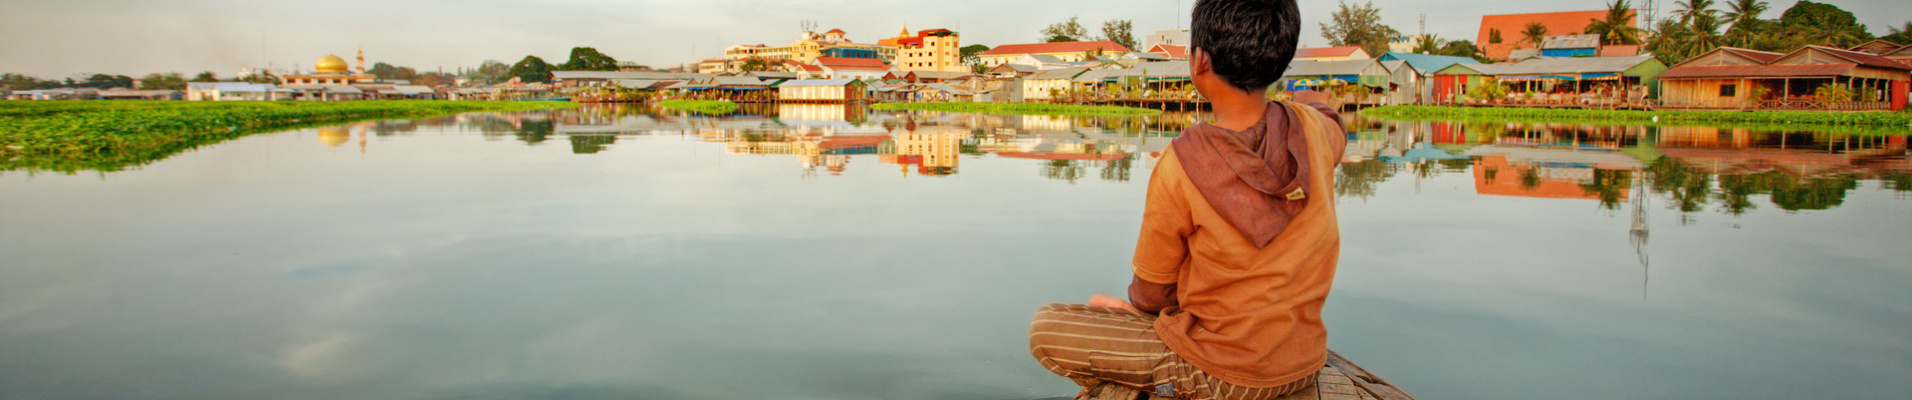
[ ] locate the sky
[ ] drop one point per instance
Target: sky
(56, 39)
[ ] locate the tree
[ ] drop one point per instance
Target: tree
(531, 69)
(206, 76)
(754, 64)
(1899, 35)
(260, 77)
(589, 59)
(103, 81)
(491, 72)
(1493, 36)
(1535, 33)
(1614, 28)
(971, 54)
(1744, 13)
(166, 81)
(1066, 31)
(1462, 48)
(12, 82)
(1359, 25)
(1430, 44)
(1120, 31)
(434, 79)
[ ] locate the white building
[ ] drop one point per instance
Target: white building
(233, 91)
(1172, 37)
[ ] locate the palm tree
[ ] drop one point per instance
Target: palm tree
(1615, 27)
(1535, 32)
(1691, 9)
(1745, 18)
(1430, 44)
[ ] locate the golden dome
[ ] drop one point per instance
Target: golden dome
(334, 136)
(330, 63)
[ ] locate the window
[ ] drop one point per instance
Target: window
(1728, 90)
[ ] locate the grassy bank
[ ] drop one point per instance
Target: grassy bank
(1886, 121)
(710, 107)
(1019, 109)
(113, 135)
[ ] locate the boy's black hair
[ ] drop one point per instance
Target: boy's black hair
(1249, 42)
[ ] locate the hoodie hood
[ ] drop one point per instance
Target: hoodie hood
(1255, 178)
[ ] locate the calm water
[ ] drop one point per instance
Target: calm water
(827, 253)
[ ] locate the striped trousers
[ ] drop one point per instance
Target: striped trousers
(1094, 345)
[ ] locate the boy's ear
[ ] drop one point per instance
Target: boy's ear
(1199, 63)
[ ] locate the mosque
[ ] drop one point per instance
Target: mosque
(330, 70)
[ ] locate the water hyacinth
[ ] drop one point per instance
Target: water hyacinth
(707, 107)
(70, 136)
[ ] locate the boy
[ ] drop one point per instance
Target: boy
(1239, 239)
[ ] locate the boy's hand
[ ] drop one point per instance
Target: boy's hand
(1111, 302)
(1309, 96)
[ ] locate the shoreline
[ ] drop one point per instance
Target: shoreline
(1874, 122)
(1019, 109)
(74, 135)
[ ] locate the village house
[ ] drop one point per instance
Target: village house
(852, 68)
(1604, 82)
(1734, 78)
(1368, 77)
(1068, 52)
(1426, 65)
(1045, 85)
(823, 91)
(234, 91)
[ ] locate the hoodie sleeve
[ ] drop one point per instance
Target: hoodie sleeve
(1162, 246)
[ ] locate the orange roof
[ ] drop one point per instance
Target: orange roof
(1498, 51)
(1342, 51)
(836, 31)
(1170, 51)
(1620, 50)
(1057, 47)
(1557, 23)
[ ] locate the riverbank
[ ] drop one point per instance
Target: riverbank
(1880, 119)
(70, 136)
(708, 107)
(1021, 109)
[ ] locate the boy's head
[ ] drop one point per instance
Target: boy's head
(1246, 43)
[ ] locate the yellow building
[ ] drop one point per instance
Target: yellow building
(929, 50)
(810, 46)
(330, 70)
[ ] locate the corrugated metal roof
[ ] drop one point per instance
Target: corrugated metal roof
(1756, 71)
(1064, 73)
(1057, 47)
(609, 75)
(1094, 75)
(1426, 63)
(1570, 41)
(1046, 59)
(1156, 69)
(817, 82)
(1325, 68)
(1573, 65)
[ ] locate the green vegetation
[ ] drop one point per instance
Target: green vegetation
(1358, 25)
(710, 107)
(71, 136)
(1019, 108)
(1833, 122)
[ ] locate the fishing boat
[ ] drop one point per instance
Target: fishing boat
(1339, 380)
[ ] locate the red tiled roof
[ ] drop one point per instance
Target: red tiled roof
(1907, 60)
(1863, 58)
(1057, 47)
(809, 67)
(1170, 51)
(836, 62)
(1342, 51)
(1557, 23)
(835, 31)
(1498, 51)
(1758, 71)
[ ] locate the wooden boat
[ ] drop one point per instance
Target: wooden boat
(1339, 380)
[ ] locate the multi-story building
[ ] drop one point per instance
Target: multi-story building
(810, 45)
(1066, 51)
(929, 50)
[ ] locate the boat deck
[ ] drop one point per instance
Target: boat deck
(1339, 380)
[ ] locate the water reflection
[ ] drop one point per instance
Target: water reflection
(1692, 166)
